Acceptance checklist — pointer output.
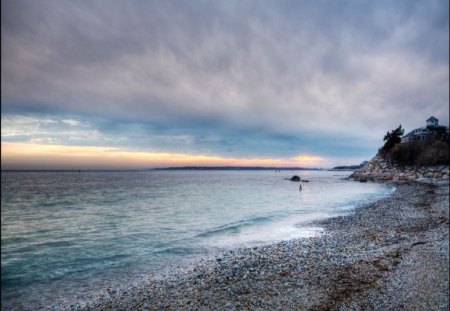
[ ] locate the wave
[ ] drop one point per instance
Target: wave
(174, 250)
(235, 227)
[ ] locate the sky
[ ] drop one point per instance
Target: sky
(142, 84)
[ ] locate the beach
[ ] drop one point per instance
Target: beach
(389, 255)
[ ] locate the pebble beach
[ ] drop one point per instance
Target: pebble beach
(389, 255)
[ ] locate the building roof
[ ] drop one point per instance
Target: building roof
(416, 132)
(409, 134)
(432, 119)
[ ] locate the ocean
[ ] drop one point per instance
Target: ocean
(67, 235)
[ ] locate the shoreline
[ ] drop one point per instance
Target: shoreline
(385, 255)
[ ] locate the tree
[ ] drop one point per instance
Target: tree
(438, 132)
(392, 138)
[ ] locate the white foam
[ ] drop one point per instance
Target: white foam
(261, 234)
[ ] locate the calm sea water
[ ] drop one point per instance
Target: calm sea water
(65, 235)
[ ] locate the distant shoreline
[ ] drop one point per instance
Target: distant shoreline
(184, 168)
(238, 168)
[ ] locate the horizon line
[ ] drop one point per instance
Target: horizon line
(184, 168)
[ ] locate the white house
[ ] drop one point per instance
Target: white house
(421, 133)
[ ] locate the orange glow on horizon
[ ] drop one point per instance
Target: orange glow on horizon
(309, 159)
(37, 156)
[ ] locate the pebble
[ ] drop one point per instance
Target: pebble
(389, 255)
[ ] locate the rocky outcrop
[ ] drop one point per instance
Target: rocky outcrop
(378, 169)
(295, 178)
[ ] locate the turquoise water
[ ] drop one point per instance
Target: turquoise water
(67, 234)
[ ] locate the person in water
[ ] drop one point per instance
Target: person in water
(300, 187)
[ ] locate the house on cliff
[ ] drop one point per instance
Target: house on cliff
(422, 133)
(432, 121)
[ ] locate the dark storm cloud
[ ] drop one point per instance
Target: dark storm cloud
(315, 71)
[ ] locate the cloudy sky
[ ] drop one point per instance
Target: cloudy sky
(137, 84)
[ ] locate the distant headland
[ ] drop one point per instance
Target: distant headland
(349, 167)
(237, 168)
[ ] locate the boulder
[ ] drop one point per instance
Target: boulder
(437, 175)
(428, 175)
(295, 178)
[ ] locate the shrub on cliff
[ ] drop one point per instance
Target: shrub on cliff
(420, 153)
(438, 132)
(405, 154)
(436, 153)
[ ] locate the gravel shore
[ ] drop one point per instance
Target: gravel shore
(389, 255)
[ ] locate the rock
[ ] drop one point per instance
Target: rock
(295, 178)
(437, 175)
(377, 169)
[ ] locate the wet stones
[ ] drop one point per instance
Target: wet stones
(377, 169)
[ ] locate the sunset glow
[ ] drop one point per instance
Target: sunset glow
(37, 156)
